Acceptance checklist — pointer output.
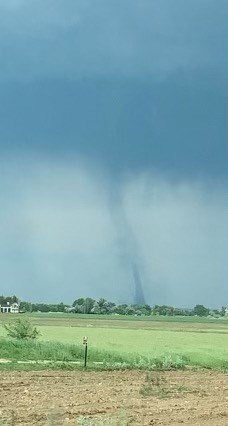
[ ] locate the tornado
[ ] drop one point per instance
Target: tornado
(139, 298)
(128, 247)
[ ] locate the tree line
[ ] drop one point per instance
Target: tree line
(104, 307)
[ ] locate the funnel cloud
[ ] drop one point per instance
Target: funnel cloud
(63, 236)
(139, 298)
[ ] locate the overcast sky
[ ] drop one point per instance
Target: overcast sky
(114, 149)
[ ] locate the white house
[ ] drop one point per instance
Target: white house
(10, 309)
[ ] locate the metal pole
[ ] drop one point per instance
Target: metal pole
(85, 355)
(85, 341)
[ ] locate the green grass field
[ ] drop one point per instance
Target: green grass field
(202, 342)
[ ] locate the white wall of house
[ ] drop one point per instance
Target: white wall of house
(5, 309)
(10, 309)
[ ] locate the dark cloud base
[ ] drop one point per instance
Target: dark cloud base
(175, 126)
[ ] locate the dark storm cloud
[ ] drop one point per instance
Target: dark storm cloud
(131, 84)
(47, 38)
(120, 95)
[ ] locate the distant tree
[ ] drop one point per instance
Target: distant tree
(162, 310)
(121, 309)
(182, 312)
(142, 309)
(96, 309)
(102, 306)
(34, 307)
(8, 300)
(25, 306)
(79, 302)
(83, 306)
(42, 307)
(214, 313)
(145, 309)
(169, 311)
(201, 311)
(78, 309)
(130, 310)
(60, 307)
(53, 308)
(223, 311)
(88, 305)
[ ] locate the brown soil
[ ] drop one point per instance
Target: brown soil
(116, 398)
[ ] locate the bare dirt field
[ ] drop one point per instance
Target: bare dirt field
(115, 398)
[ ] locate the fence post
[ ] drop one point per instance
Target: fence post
(85, 341)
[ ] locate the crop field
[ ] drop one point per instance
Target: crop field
(203, 342)
(161, 381)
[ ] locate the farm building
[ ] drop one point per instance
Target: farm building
(10, 308)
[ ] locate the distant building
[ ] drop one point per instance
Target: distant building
(10, 309)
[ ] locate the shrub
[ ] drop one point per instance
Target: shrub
(21, 329)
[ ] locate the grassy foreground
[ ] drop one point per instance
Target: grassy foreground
(60, 355)
(115, 343)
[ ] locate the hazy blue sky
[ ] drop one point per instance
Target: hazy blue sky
(114, 148)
